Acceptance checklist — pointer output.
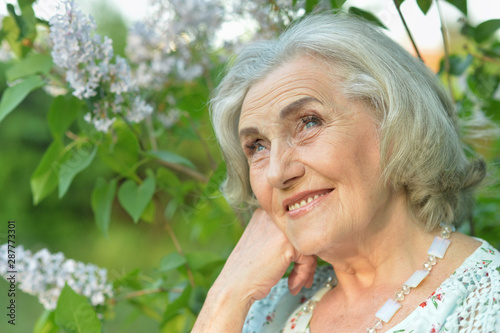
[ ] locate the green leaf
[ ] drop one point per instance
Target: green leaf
(336, 4)
(367, 16)
(170, 210)
(23, 3)
(198, 260)
(213, 186)
(131, 280)
(176, 306)
(461, 5)
(170, 157)
(11, 35)
(134, 199)
(102, 201)
(149, 213)
(459, 64)
(13, 96)
(44, 179)
(73, 162)
(310, 4)
(75, 314)
(34, 63)
(433, 299)
(62, 114)
(483, 83)
(170, 183)
(171, 261)
(486, 29)
(120, 151)
(181, 323)
(424, 5)
(46, 323)
(196, 299)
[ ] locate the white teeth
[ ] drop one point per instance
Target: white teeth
(303, 202)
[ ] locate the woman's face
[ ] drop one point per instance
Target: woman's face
(313, 156)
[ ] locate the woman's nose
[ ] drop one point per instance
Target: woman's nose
(284, 167)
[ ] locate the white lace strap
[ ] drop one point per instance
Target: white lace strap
(298, 322)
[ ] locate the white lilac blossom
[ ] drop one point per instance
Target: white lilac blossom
(5, 50)
(92, 70)
(140, 110)
(161, 46)
(78, 50)
(271, 16)
(168, 120)
(43, 274)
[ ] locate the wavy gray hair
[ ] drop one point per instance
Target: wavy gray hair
(421, 150)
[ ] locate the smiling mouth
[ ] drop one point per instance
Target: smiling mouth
(305, 201)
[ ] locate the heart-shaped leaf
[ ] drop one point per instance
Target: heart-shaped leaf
(74, 314)
(135, 198)
(102, 202)
(14, 95)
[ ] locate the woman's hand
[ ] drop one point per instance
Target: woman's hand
(260, 259)
(256, 264)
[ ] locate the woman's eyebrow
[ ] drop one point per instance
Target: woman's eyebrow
(296, 106)
(248, 131)
(284, 113)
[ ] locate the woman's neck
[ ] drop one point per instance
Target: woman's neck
(390, 250)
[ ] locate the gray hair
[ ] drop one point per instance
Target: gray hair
(421, 150)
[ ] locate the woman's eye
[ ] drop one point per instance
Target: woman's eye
(255, 147)
(259, 147)
(310, 121)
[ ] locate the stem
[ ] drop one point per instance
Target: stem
(140, 293)
(397, 4)
(152, 138)
(179, 249)
(181, 168)
(211, 159)
(137, 134)
(208, 78)
(482, 57)
(444, 33)
(73, 136)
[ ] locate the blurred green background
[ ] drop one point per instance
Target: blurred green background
(67, 225)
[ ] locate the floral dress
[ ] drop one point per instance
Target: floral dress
(468, 301)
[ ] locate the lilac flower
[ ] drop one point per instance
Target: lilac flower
(43, 274)
(161, 48)
(139, 111)
(168, 120)
(78, 50)
(92, 70)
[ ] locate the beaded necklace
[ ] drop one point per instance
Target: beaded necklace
(388, 310)
(437, 250)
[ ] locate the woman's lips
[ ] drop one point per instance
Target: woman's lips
(304, 201)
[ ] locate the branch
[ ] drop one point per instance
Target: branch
(140, 293)
(444, 33)
(211, 159)
(481, 56)
(181, 168)
(152, 137)
(397, 4)
(179, 249)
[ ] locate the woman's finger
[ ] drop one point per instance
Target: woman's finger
(302, 274)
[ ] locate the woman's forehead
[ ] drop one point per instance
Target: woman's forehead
(300, 78)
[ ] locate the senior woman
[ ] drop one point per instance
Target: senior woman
(348, 149)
